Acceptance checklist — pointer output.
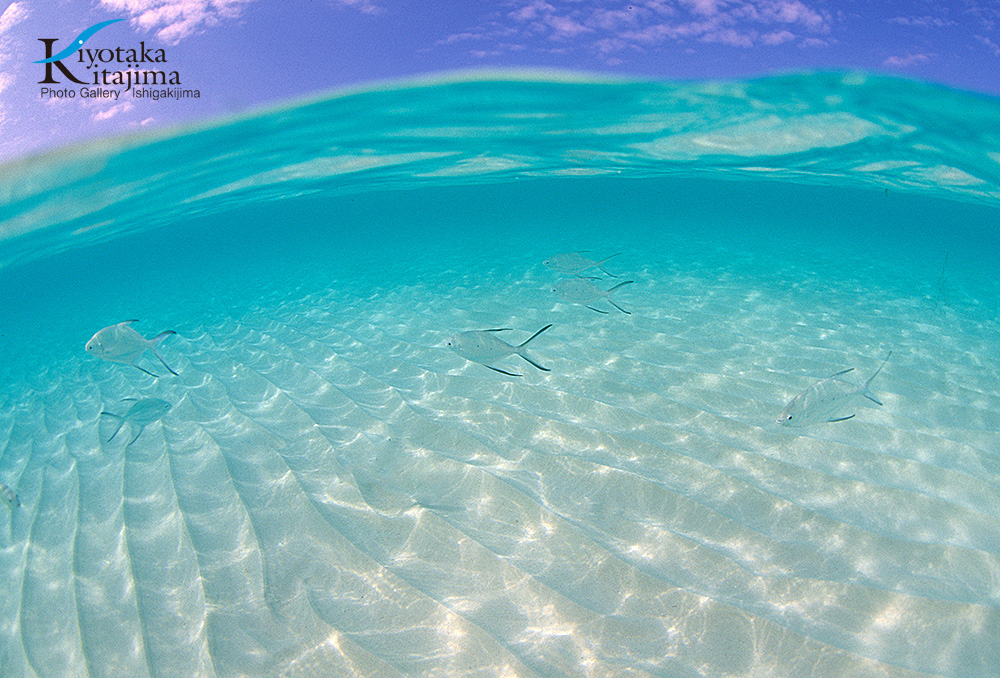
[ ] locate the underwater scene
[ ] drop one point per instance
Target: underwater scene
(510, 374)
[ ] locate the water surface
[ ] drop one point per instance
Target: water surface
(334, 492)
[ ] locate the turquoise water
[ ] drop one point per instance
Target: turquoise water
(335, 492)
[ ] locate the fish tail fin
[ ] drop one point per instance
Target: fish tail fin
(524, 354)
(154, 342)
(621, 284)
(525, 342)
(619, 307)
(161, 336)
(600, 264)
(865, 390)
(121, 422)
(497, 369)
(532, 361)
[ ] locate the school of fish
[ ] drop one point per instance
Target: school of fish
(827, 401)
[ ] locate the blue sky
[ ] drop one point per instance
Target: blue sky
(241, 54)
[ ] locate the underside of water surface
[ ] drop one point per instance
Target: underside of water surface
(334, 491)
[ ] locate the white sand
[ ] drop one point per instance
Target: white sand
(335, 493)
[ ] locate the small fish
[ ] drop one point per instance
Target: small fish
(574, 263)
(484, 347)
(824, 401)
(10, 495)
(121, 344)
(582, 291)
(142, 412)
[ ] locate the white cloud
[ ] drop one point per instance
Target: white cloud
(904, 61)
(564, 26)
(107, 113)
(174, 20)
(990, 45)
(793, 12)
(540, 17)
(703, 7)
(615, 27)
(922, 21)
(814, 42)
(459, 37)
(777, 37)
(15, 13)
(731, 37)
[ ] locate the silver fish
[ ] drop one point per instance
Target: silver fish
(484, 347)
(582, 291)
(10, 495)
(574, 263)
(141, 413)
(121, 344)
(825, 400)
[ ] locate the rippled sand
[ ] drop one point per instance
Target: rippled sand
(335, 493)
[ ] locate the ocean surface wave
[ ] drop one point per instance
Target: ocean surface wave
(335, 492)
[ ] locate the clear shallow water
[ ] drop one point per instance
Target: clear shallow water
(334, 492)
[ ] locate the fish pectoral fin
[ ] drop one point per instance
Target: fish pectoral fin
(837, 374)
(497, 369)
(831, 421)
(597, 309)
(872, 398)
(499, 329)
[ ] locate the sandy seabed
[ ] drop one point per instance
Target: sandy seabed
(335, 493)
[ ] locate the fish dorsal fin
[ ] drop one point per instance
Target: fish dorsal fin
(129, 322)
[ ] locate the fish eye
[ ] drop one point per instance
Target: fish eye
(789, 417)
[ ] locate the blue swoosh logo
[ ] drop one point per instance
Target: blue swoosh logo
(78, 43)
